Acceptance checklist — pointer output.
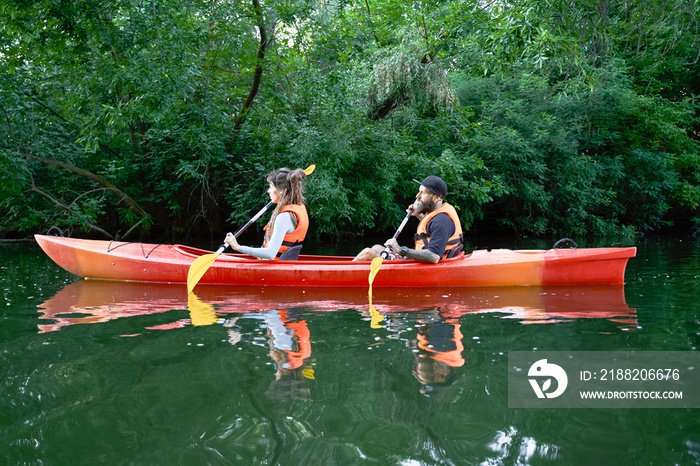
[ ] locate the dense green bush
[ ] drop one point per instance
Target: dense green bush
(159, 121)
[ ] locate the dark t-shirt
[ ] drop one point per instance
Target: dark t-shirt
(440, 229)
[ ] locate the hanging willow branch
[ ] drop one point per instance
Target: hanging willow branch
(404, 79)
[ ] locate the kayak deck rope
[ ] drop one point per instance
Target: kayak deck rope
(564, 241)
(109, 246)
(60, 232)
(143, 251)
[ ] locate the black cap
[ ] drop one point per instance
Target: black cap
(434, 184)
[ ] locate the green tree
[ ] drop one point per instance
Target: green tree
(159, 119)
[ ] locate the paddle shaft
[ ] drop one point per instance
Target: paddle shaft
(403, 223)
(244, 227)
(385, 252)
(252, 220)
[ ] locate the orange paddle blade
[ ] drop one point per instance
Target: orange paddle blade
(198, 268)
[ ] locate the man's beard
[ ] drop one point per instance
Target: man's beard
(425, 207)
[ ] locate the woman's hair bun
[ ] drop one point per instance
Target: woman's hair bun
(296, 175)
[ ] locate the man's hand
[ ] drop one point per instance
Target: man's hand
(413, 208)
(393, 244)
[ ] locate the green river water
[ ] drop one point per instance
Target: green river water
(114, 373)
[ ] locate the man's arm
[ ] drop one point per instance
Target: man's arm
(440, 229)
(422, 255)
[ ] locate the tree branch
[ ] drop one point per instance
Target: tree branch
(58, 203)
(97, 179)
(257, 76)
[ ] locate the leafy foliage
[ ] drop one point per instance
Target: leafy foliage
(160, 119)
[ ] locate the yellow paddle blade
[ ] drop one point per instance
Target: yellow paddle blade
(201, 313)
(198, 268)
(376, 317)
(308, 373)
(310, 169)
(374, 268)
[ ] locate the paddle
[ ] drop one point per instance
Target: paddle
(201, 264)
(377, 261)
(376, 316)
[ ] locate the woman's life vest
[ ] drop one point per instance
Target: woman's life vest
(297, 236)
(422, 238)
(301, 349)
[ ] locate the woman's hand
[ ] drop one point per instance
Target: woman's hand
(231, 241)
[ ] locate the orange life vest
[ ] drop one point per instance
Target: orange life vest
(301, 332)
(422, 238)
(297, 236)
(452, 358)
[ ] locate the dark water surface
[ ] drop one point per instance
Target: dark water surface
(113, 373)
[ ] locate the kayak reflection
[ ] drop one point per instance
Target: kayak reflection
(433, 318)
(97, 301)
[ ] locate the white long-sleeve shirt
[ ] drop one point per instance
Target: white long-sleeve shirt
(283, 225)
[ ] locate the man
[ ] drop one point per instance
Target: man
(439, 230)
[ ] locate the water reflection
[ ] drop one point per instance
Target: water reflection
(438, 349)
(201, 313)
(217, 384)
(432, 318)
(515, 448)
(289, 340)
(96, 301)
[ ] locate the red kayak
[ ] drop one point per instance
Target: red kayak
(162, 263)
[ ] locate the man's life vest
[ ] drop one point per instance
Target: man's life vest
(422, 238)
(452, 357)
(297, 236)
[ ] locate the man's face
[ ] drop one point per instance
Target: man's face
(426, 201)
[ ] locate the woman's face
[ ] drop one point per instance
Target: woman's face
(274, 193)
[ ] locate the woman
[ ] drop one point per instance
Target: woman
(289, 220)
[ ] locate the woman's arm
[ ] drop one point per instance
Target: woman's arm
(283, 225)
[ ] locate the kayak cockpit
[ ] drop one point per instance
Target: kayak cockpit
(197, 252)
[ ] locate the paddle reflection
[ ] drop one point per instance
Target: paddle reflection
(201, 313)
